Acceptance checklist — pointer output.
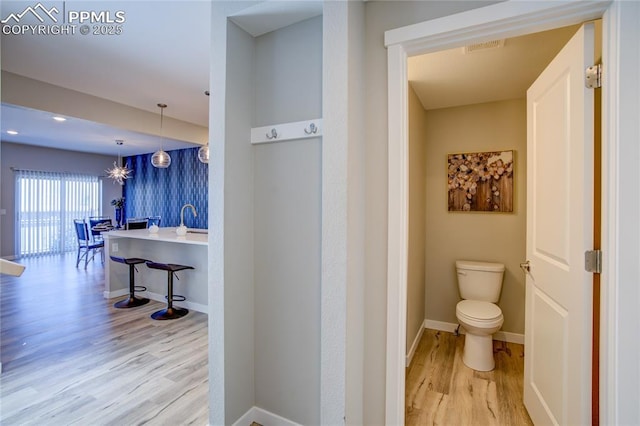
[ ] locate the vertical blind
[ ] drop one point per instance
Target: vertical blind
(46, 204)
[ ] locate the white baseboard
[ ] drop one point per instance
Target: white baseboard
(158, 298)
(114, 294)
(414, 346)
(263, 417)
(503, 336)
(440, 325)
(186, 304)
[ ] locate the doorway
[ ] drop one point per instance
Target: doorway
(452, 31)
(479, 112)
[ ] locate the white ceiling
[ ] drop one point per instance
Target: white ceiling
(162, 55)
(453, 78)
(40, 129)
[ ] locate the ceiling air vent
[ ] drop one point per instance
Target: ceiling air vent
(493, 44)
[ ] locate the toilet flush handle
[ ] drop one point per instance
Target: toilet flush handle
(462, 273)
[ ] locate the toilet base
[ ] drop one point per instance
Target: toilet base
(478, 352)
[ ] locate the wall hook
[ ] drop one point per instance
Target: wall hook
(312, 129)
(273, 135)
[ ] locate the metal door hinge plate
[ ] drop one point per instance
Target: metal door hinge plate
(593, 77)
(593, 261)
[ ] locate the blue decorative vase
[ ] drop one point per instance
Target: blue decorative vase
(119, 217)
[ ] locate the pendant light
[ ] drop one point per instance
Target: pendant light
(119, 173)
(203, 151)
(160, 158)
(203, 154)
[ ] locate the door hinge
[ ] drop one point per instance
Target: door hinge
(593, 77)
(593, 261)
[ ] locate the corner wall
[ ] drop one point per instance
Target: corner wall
(287, 219)
(266, 201)
(379, 17)
(417, 213)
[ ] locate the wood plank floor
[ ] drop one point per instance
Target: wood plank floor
(70, 358)
(441, 390)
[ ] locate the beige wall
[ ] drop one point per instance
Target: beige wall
(417, 205)
(492, 237)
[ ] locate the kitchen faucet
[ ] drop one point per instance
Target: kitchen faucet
(182, 213)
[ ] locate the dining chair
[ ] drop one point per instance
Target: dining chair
(98, 220)
(137, 223)
(86, 245)
(154, 220)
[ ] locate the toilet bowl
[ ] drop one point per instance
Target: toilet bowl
(480, 284)
(480, 320)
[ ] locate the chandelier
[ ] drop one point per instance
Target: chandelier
(119, 173)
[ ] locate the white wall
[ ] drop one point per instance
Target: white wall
(271, 205)
(287, 209)
(354, 175)
(239, 349)
(30, 157)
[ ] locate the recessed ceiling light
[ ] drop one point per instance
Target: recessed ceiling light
(12, 132)
(57, 118)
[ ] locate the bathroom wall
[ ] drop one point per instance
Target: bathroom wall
(492, 237)
(417, 212)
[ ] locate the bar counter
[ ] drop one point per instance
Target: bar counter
(165, 246)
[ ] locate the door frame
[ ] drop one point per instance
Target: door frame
(510, 19)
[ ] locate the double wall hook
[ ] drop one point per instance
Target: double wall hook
(312, 129)
(273, 135)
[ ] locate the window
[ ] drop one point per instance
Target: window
(46, 204)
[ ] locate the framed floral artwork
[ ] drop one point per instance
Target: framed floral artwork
(481, 181)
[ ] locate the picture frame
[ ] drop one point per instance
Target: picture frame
(480, 181)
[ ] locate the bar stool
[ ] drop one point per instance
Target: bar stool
(170, 312)
(132, 301)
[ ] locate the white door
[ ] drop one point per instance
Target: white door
(557, 377)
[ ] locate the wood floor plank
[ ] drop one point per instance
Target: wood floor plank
(470, 397)
(70, 358)
(431, 366)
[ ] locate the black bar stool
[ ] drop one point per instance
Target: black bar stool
(132, 301)
(170, 312)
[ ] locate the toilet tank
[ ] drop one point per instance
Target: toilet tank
(480, 280)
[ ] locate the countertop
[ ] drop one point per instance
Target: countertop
(168, 235)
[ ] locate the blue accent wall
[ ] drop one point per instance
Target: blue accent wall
(163, 192)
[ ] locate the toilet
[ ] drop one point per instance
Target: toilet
(480, 284)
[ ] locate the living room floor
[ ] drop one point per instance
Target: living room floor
(69, 357)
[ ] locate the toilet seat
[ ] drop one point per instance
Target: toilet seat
(478, 312)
